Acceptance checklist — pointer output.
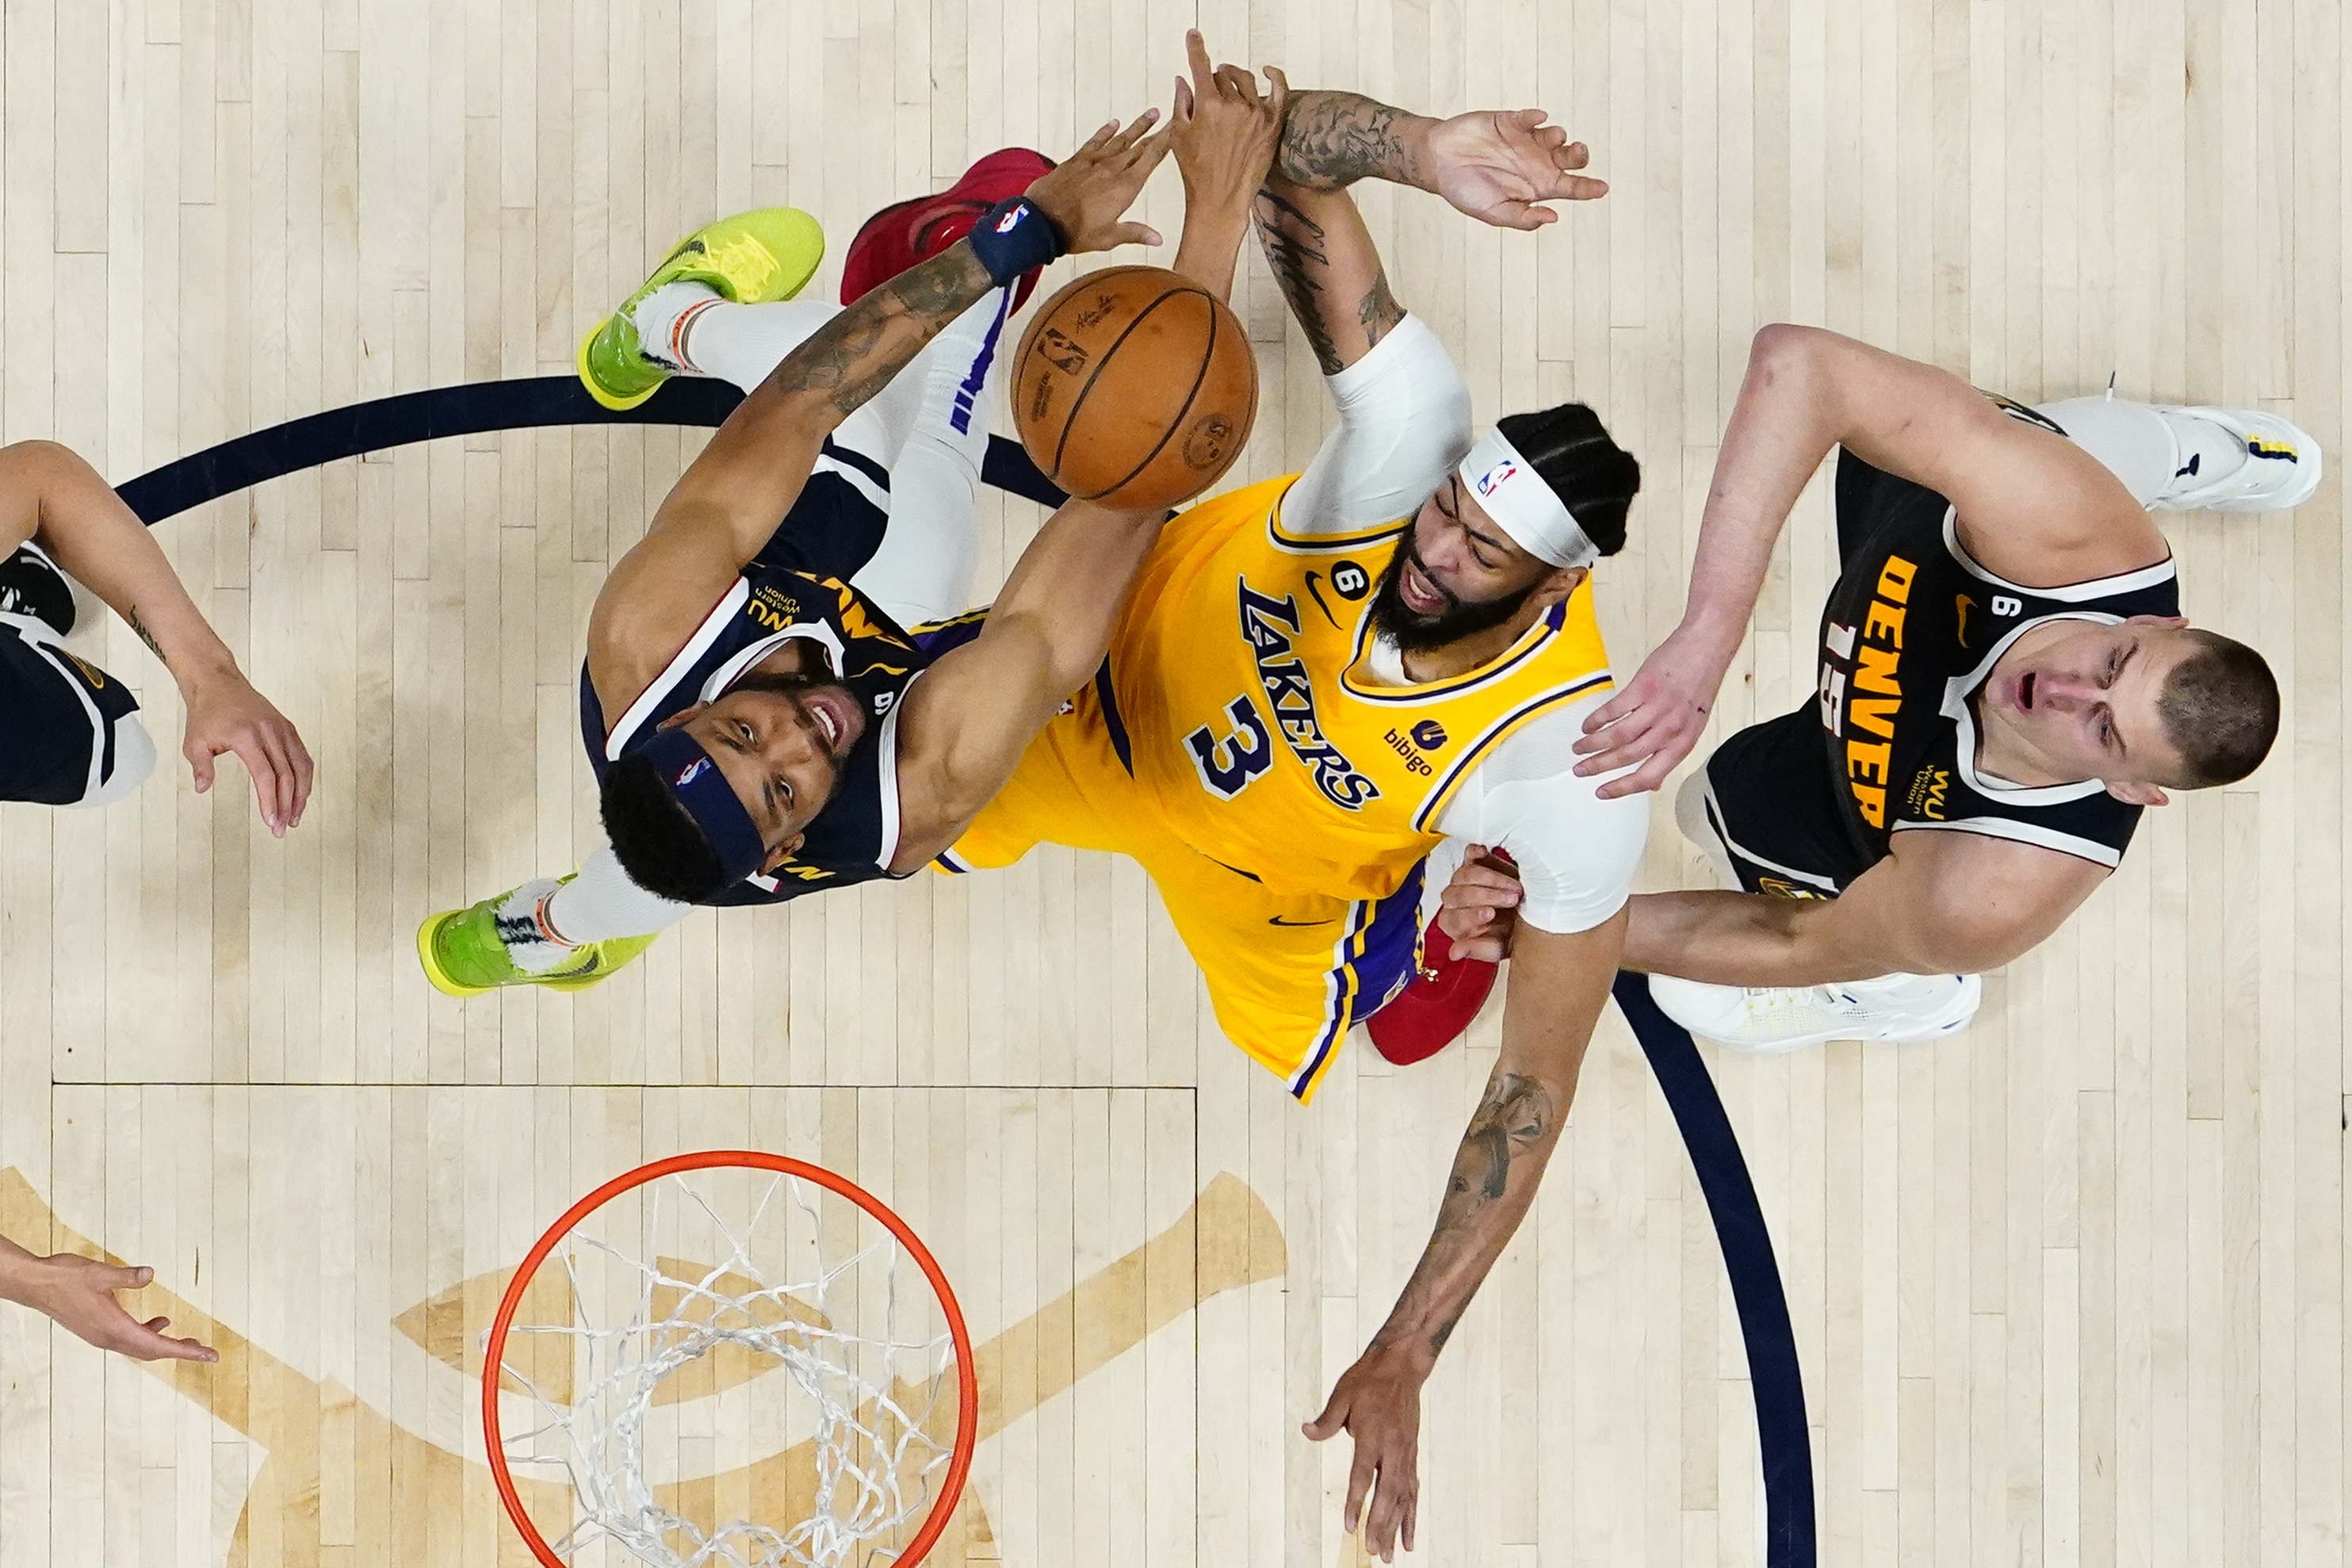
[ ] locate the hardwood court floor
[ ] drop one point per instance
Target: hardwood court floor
(2068, 1289)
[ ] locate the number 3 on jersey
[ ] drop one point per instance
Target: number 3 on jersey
(1226, 765)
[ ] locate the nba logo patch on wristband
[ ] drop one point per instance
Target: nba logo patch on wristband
(1015, 237)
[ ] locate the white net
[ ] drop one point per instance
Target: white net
(732, 1368)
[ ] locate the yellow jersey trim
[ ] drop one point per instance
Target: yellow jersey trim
(1533, 641)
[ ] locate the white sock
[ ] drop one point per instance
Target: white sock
(662, 317)
(602, 903)
(522, 928)
(742, 343)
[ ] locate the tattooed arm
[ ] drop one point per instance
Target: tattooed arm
(1495, 164)
(50, 496)
(1558, 986)
(1323, 257)
(726, 504)
(1491, 164)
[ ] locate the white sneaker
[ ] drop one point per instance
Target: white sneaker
(1766, 1019)
(2281, 468)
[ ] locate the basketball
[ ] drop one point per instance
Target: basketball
(1134, 387)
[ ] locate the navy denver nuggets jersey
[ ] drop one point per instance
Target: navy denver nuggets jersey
(797, 588)
(1912, 628)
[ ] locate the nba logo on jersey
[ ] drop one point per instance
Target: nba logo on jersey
(693, 771)
(1492, 480)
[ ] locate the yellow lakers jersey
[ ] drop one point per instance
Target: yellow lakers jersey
(1239, 677)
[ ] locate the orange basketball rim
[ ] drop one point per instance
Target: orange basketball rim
(834, 1320)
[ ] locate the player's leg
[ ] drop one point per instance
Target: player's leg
(2175, 459)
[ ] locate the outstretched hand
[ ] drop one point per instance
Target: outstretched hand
(1088, 192)
(1655, 720)
(79, 1292)
(1377, 1401)
(1497, 164)
(1224, 133)
(228, 715)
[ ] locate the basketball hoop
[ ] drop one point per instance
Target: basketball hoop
(731, 1334)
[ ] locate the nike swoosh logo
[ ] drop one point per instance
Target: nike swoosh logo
(1327, 615)
(1278, 920)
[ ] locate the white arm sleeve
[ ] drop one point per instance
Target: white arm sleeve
(1404, 422)
(1576, 852)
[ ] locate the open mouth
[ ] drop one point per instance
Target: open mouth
(1419, 594)
(835, 719)
(2025, 692)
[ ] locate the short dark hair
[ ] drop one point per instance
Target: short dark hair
(655, 837)
(1594, 478)
(2220, 711)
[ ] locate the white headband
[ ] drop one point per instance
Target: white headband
(1523, 505)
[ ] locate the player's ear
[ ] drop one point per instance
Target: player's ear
(683, 716)
(2175, 622)
(1558, 583)
(782, 853)
(2138, 793)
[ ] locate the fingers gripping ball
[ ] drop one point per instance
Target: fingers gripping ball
(1134, 387)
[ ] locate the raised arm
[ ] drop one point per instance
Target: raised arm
(969, 719)
(1558, 984)
(50, 496)
(1495, 165)
(727, 503)
(2034, 507)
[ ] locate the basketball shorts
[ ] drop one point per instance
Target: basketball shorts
(1765, 803)
(1287, 973)
(69, 732)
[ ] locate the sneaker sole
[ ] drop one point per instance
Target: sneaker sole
(426, 933)
(449, 987)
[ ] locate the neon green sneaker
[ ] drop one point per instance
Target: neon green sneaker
(464, 956)
(753, 258)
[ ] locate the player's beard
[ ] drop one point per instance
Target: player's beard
(1412, 632)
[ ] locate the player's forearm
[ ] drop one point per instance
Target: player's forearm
(18, 1269)
(98, 541)
(1323, 258)
(1496, 1169)
(1331, 140)
(1751, 939)
(1071, 583)
(1558, 987)
(853, 356)
(1210, 248)
(1778, 432)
